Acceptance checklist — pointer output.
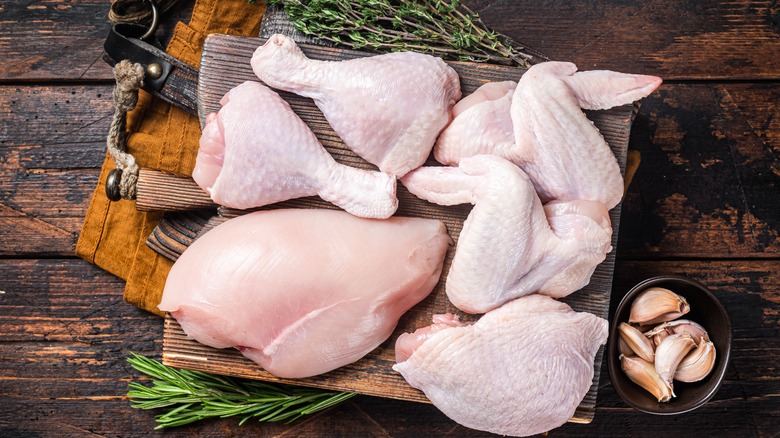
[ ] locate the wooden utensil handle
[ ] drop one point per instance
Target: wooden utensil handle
(161, 191)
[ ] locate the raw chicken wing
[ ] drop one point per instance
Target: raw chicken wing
(256, 151)
(481, 124)
(302, 292)
(520, 370)
(510, 245)
(552, 141)
(388, 108)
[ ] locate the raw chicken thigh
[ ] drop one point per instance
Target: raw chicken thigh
(520, 370)
(302, 292)
(256, 151)
(389, 108)
(554, 143)
(510, 245)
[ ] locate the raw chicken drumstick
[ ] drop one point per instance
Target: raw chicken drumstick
(256, 151)
(552, 140)
(389, 108)
(510, 244)
(302, 292)
(520, 370)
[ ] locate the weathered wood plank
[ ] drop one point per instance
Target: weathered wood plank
(64, 372)
(675, 40)
(52, 144)
(709, 181)
(62, 40)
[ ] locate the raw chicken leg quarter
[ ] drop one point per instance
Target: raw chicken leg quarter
(388, 108)
(302, 292)
(520, 370)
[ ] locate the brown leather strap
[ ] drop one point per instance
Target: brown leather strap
(166, 77)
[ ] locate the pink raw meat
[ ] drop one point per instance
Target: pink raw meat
(552, 140)
(520, 370)
(481, 124)
(510, 244)
(256, 151)
(302, 292)
(387, 108)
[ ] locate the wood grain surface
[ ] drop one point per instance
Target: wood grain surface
(721, 39)
(704, 203)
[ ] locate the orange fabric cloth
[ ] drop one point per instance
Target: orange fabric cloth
(161, 137)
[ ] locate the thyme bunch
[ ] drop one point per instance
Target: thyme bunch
(190, 396)
(445, 28)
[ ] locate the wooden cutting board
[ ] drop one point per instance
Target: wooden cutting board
(225, 64)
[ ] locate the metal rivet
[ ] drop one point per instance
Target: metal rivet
(112, 185)
(154, 71)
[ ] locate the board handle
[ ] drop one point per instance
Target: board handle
(161, 191)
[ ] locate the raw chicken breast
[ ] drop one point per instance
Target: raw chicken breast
(551, 139)
(256, 151)
(510, 245)
(388, 108)
(302, 292)
(481, 124)
(520, 370)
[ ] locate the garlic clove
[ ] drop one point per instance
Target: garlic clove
(623, 348)
(643, 373)
(658, 334)
(657, 304)
(637, 341)
(670, 353)
(697, 364)
(659, 337)
(696, 331)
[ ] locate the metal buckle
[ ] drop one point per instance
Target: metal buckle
(155, 21)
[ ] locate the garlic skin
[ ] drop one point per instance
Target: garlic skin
(670, 353)
(623, 348)
(698, 364)
(658, 337)
(696, 331)
(644, 374)
(637, 342)
(657, 304)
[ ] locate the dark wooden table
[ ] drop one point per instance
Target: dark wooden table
(705, 203)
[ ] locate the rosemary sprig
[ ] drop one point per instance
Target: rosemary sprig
(445, 28)
(191, 396)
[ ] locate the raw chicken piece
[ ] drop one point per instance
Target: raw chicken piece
(481, 124)
(302, 292)
(256, 151)
(387, 108)
(554, 143)
(520, 370)
(510, 245)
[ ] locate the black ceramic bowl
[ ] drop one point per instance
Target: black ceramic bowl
(705, 310)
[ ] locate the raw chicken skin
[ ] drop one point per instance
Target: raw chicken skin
(551, 140)
(256, 151)
(510, 245)
(481, 124)
(388, 108)
(302, 292)
(520, 370)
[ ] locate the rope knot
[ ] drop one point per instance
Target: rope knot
(129, 77)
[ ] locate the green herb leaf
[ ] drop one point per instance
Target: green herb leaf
(445, 28)
(191, 396)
